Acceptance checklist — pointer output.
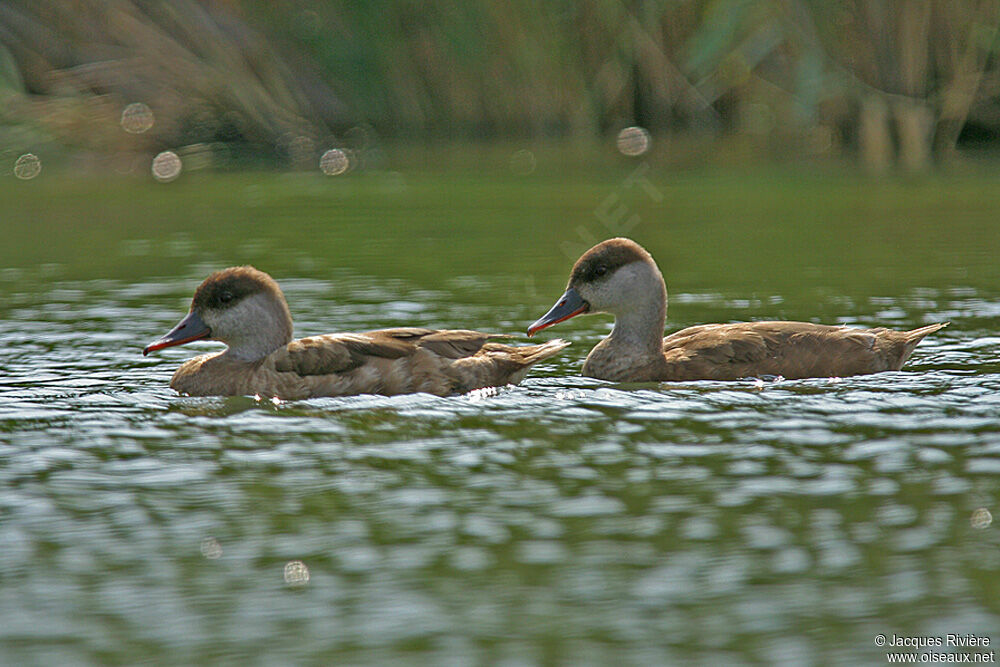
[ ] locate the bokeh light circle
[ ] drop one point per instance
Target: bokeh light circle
(210, 548)
(523, 162)
(166, 166)
(334, 162)
(27, 166)
(633, 141)
(296, 573)
(307, 24)
(981, 519)
(137, 118)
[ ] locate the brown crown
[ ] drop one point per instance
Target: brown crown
(611, 255)
(229, 286)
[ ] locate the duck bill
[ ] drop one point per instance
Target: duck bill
(570, 304)
(190, 328)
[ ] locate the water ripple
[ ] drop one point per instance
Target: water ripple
(733, 514)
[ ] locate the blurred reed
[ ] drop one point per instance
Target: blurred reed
(894, 83)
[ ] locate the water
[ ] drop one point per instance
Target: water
(564, 521)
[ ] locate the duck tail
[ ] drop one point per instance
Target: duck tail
(532, 354)
(508, 363)
(914, 336)
(917, 335)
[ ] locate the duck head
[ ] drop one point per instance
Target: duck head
(241, 307)
(616, 276)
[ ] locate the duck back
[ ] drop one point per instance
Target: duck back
(792, 350)
(387, 361)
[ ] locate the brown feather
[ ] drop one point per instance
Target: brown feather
(387, 361)
(619, 276)
(336, 353)
(792, 350)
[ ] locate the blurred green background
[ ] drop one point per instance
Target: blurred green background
(886, 84)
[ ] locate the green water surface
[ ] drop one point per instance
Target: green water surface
(565, 521)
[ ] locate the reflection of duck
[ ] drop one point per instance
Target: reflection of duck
(619, 277)
(245, 309)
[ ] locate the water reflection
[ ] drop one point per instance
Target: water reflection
(210, 548)
(296, 573)
(981, 518)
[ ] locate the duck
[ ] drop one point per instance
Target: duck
(245, 309)
(618, 276)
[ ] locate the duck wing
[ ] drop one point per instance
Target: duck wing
(339, 353)
(789, 349)
(456, 343)
(404, 360)
(448, 343)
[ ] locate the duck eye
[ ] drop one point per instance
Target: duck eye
(226, 297)
(600, 270)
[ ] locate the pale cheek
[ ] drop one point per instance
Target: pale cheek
(600, 299)
(590, 296)
(220, 324)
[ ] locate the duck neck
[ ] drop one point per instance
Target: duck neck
(634, 348)
(637, 296)
(639, 323)
(255, 349)
(264, 325)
